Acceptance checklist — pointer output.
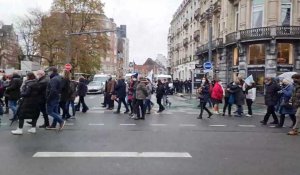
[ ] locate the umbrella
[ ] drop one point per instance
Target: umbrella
(287, 76)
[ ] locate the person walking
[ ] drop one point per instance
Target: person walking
(65, 94)
(250, 91)
(141, 94)
(13, 93)
(226, 100)
(285, 108)
(71, 101)
(5, 80)
(29, 106)
(159, 95)
(110, 91)
(239, 97)
(43, 81)
(53, 94)
(81, 92)
(204, 96)
(217, 95)
(148, 98)
(271, 99)
(121, 95)
(296, 103)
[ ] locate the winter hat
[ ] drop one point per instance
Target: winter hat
(135, 75)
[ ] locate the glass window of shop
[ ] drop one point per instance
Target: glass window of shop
(236, 56)
(257, 13)
(286, 9)
(256, 54)
(285, 53)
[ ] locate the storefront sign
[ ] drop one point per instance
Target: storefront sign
(256, 69)
(285, 68)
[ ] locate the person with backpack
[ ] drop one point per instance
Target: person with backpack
(121, 95)
(239, 97)
(81, 92)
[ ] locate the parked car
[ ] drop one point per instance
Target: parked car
(95, 87)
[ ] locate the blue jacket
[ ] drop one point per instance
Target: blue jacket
(284, 99)
(54, 88)
(121, 89)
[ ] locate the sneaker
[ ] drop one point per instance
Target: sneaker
(148, 112)
(199, 117)
(32, 130)
(62, 125)
(136, 118)
(217, 113)
(248, 115)
(17, 132)
(126, 112)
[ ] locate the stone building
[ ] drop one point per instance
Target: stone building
(250, 37)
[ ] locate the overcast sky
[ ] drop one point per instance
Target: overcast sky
(147, 21)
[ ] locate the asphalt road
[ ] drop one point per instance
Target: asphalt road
(217, 146)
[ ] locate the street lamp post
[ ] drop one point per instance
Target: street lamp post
(210, 16)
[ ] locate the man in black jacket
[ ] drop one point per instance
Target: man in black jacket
(43, 81)
(13, 93)
(121, 94)
(53, 95)
(271, 100)
(160, 91)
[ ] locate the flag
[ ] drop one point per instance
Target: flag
(249, 80)
(150, 75)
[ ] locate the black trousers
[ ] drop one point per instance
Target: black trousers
(21, 123)
(44, 112)
(62, 105)
(140, 108)
(161, 107)
(130, 106)
(122, 100)
(227, 105)
(270, 111)
(81, 101)
(282, 119)
(249, 105)
(203, 107)
(109, 101)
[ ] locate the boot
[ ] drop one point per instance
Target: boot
(18, 131)
(293, 132)
(32, 130)
(6, 110)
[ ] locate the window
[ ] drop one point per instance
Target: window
(285, 53)
(235, 56)
(286, 8)
(257, 13)
(256, 54)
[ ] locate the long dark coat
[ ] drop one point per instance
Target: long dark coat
(272, 97)
(29, 105)
(239, 96)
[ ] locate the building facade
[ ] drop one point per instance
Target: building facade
(10, 50)
(250, 37)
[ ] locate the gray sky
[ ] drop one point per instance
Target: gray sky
(147, 21)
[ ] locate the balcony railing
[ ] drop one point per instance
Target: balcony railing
(256, 33)
(186, 24)
(197, 14)
(177, 47)
(231, 38)
(288, 31)
(217, 43)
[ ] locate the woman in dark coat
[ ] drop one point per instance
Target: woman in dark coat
(239, 97)
(29, 104)
(81, 92)
(285, 108)
(204, 97)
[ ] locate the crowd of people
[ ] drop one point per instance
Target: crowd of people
(282, 96)
(135, 95)
(52, 95)
(181, 86)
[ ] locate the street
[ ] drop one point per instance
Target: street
(216, 146)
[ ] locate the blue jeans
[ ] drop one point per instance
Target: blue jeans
(52, 110)
(147, 105)
(12, 104)
(72, 104)
(240, 110)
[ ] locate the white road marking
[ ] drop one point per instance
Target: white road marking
(96, 124)
(96, 112)
(91, 97)
(3, 124)
(192, 113)
(158, 124)
(112, 154)
(128, 124)
(189, 125)
(217, 125)
(69, 124)
(247, 126)
(272, 126)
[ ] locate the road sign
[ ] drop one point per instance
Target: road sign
(207, 66)
(68, 67)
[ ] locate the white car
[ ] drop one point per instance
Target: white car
(95, 87)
